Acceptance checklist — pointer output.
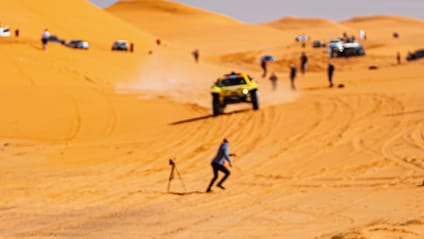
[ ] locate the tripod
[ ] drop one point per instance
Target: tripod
(171, 176)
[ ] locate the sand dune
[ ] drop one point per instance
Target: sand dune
(382, 27)
(188, 29)
(168, 10)
(85, 136)
(295, 23)
(379, 19)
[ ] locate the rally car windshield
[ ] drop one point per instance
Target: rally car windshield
(233, 81)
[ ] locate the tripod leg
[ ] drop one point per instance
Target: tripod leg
(181, 180)
(171, 176)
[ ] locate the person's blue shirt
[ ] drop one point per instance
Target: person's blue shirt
(222, 154)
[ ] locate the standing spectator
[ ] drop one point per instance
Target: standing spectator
(17, 32)
(362, 34)
(195, 54)
(345, 37)
(273, 78)
(398, 58)
(303, 62)
(45, 39)
(131, 47)
(330, 71)
(293, 76)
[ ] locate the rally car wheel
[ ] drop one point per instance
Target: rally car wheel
(216, 109)
(255, 100)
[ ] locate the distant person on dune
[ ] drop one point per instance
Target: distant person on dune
(45, 39)
(362, 35)
(264, 67)
(218, 162)
(398, 58)
(195, 54)
(303, 63)
(330, 71)
(293, 71)
(273, 78)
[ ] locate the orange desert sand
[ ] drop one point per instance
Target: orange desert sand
(86, 134)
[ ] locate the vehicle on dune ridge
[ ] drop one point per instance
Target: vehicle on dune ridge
(234, 88)
(4, 32)
(120, 45)
(345, 49)
(79, 44)
(415, 55)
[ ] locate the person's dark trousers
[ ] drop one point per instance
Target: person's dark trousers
(293, 86)
(218, 167)
(330, 78)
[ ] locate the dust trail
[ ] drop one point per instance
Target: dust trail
(160, 77)
(155, 75)
(283, 95)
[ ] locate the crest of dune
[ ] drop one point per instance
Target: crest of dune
(315, 28)
(381, 27)
(194, 28)
(382, 20)
(295, 23)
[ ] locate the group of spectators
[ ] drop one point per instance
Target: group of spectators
(293, 72)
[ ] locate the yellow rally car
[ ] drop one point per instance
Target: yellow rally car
(234, 88)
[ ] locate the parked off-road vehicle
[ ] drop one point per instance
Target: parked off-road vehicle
(120, 45)
(234, 88)
(415, 55)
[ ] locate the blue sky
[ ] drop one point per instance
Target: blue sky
(259, 11)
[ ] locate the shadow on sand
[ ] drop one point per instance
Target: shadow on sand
(316, 88)
(340, 86)
(207, 117)
(187, 193)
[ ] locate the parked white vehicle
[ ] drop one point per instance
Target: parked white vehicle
(301, 38)
(120, 45)
(336, 44)
(4, 32)
(353, 49)
(78, 44)
(338, 48)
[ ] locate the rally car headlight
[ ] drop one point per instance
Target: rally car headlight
(245, 91)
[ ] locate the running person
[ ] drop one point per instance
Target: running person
(218, 162)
